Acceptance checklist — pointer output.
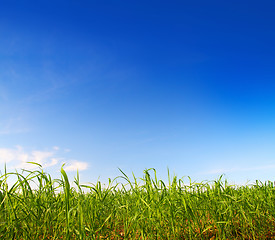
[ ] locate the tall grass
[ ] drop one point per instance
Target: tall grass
(145, 208)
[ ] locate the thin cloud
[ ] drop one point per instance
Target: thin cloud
(13, 126)
(76, 165)
(41, 157)
(20, 158)
(8, 155)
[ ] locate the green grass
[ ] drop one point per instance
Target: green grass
(144, 208)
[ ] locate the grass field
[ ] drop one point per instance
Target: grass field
(144, 208)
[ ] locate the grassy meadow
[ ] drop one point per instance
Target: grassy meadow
(146, 208)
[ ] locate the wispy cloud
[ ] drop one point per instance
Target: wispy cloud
(19, 158)
(12, 126)
(56, 148)
(76, 165)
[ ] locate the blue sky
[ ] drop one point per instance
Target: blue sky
(102, 85)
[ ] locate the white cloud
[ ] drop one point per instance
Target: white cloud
(53, 162)
(41, 157)
(76, 165)
(8, 155)
(20, 158)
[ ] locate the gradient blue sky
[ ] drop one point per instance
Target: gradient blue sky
(188, 85)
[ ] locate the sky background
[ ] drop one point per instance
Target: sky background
(102, 85)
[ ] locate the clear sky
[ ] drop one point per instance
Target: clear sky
(102, 85)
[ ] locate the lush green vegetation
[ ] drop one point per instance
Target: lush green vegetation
(144, 208)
